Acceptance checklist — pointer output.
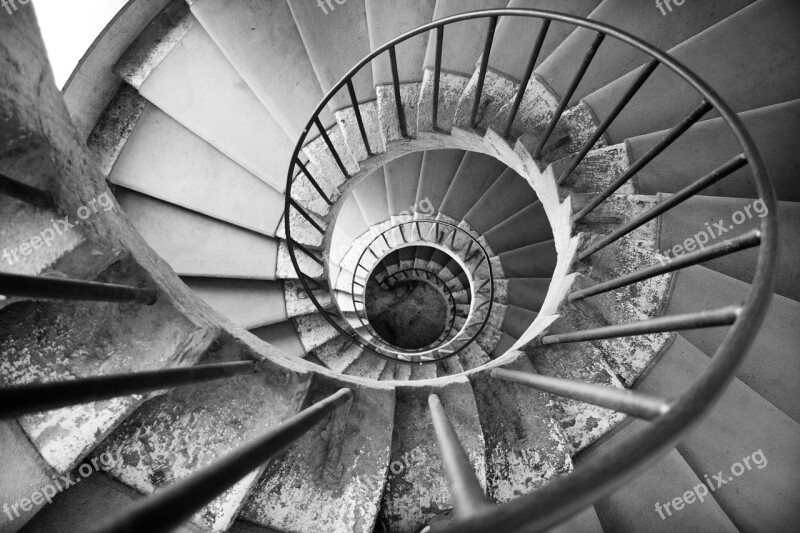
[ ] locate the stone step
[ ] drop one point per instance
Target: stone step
(532, 261)
(338, 353)
(663, 27)
(528, 226)
(771, 366)
(388, 19)
(475, 175)
(250, 304)
(372, 197)
(518, 320)
(647, 502)
(416, 488)
(463, 44)
(336, 38)
(525, 447)
(182, 431)
(333, 477)
(733, 439)
(164, 160)
(196, 245)
(224, 112)
(153, 337)
(84, 506)
(282, 336)
(514, 40)
(528, 293)
(710, 143)
(241, 27)
(439, 168)
(402, 180)
(716, 218)
(34, 238)
(508, 195)
(733, 56)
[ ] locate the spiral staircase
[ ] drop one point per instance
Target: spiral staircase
(383, 265)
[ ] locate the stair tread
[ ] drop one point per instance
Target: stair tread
(528, 226)
(525, 447)
(771, 368)
(163, 159)
(632, 507)
(710, 143)
(416, 488)
(508, 194)
(439, 167)
(225, 111)
(736, 428)
(475, 175)
(333, 477)
(720, 53)
(333, 51)
(249, 303)
(402, 179)
(663, 30)
(196, 245)
(682, 223)
(239, 29)
(174, 435)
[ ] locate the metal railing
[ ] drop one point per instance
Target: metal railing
(669, 420)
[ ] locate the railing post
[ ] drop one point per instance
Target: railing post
(437, 73)
(72, 289)
(170, 507)
(35, 397)
(398, 101)
(487, 50)
(468, 497)
(626, 401)
(526, 78)
(576, 79)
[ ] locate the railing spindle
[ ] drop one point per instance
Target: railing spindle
(684, 194)
(468, 497)
(331, 147)
(36, 397)
(526, 78)
(398, 100)
(313, 182)
(359, 119)
(173, 505)
(665, 324)
(729, 246)
(437, 73)
(562, 105)
(307, 216)
(626, 401)
(601, 129)
(487, 50)
(651, 154)
(72, 289)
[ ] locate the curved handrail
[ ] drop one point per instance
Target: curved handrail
(610, 468)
